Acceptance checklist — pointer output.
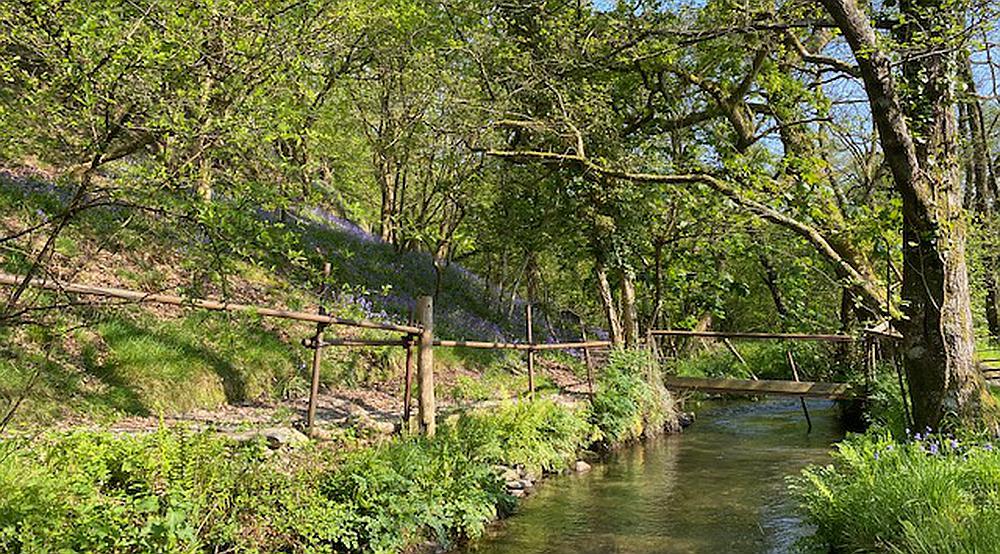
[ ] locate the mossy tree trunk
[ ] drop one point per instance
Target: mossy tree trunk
(914, 111)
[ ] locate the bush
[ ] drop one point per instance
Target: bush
(765, 360)
(630, 401)
(540, 436)
(181, 491)
(930, 495)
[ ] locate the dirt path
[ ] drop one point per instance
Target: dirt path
(377, 408)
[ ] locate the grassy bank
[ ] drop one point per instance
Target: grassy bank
(176, 490)
(894, 490)
(929, 494)
(107, 362)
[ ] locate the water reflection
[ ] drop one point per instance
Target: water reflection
(718, 487)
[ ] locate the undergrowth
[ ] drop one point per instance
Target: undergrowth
(631, 400)
(765, 360)
(926, 495)
(177, 490)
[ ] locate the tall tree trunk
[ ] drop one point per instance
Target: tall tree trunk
(992, 303)
(387, 213)
(917, 130)
(654, 321)
(608, 302)
(630, 320)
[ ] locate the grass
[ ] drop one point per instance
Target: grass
(932, 494)
(100, 364)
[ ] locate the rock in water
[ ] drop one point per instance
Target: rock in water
(580, 466)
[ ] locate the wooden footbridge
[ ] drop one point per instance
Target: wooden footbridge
(762, 387)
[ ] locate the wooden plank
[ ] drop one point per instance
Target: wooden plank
(764, 387)
(757, 336)
(139, 297)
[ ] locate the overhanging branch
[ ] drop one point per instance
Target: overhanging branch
(869, 290)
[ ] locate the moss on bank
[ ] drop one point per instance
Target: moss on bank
(176, 490)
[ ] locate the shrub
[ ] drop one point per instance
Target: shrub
(396, 493)
(540, 435)
(181, 491)
(930, 495)
(765, 360)
(630, 400)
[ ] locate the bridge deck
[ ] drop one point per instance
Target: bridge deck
(836, 391)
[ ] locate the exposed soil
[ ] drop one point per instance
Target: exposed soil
(377, 408)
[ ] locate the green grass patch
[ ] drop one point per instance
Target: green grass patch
(931, 495)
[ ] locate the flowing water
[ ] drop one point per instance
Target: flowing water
(719, 487)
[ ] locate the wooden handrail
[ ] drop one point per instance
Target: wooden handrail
(757, 336)
(521, 346)
(139, 297)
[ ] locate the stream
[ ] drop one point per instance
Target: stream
(718, 487)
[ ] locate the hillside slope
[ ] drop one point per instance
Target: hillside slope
(125, 361)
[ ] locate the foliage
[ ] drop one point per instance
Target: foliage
(176, 490)
(541, 436)
(930, 494)
(630, 401)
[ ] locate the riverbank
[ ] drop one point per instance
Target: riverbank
(179, 490)
(918, 494)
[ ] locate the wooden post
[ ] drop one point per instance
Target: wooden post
(531, 353)
(589, 360)
(317, 357)
(425, 365)
(408, 384)
(652, 346)
(739, 357)
(795, 373)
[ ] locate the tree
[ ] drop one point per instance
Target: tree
(914, 110)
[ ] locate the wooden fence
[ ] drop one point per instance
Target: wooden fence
(418, 335)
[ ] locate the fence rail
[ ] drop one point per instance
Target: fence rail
(536, 346)
(419, 334)
(757, 336)
(144, 297)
